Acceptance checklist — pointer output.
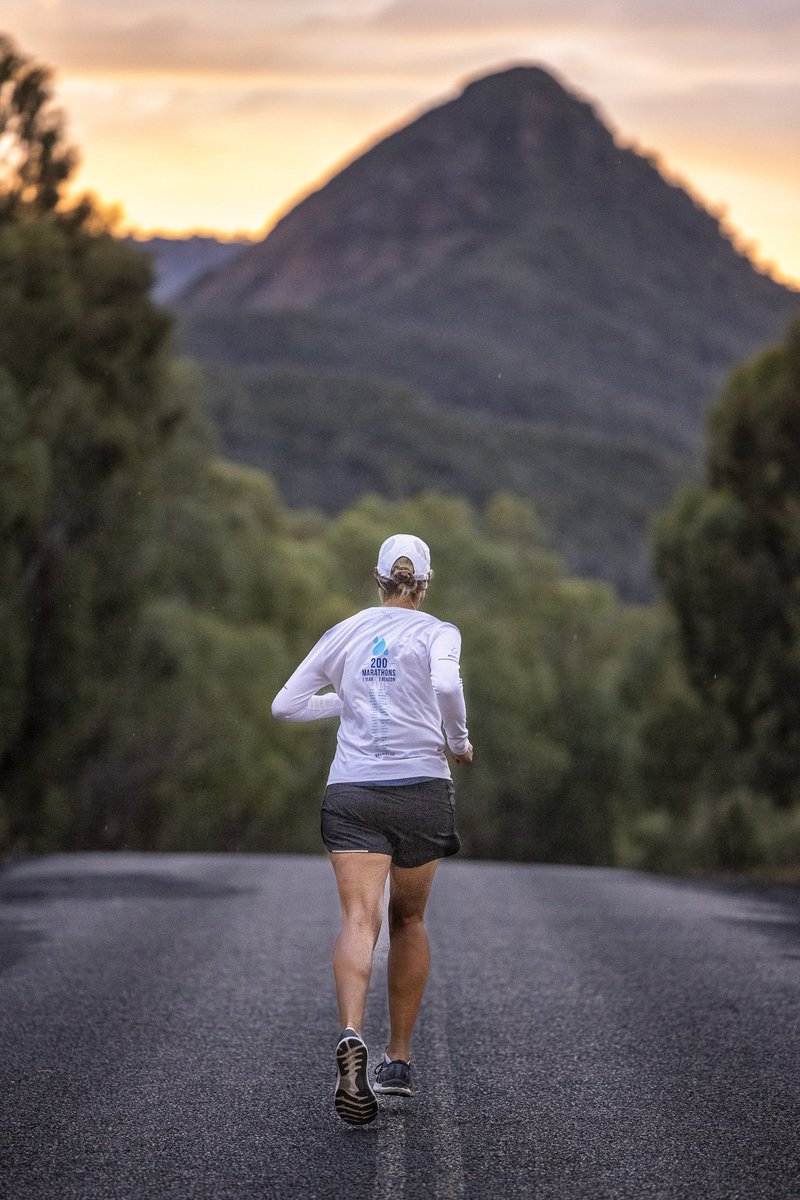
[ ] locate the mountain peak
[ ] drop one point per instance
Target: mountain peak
(515, 78)
(515, 84)
(502, 151)
(515, 184)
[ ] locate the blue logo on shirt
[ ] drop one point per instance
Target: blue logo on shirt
(379, 669)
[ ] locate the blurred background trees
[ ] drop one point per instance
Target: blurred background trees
(87, 417)
(728, 556)
(35, 160)
(154, 597)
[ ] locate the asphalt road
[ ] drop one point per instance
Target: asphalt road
(167, 1026)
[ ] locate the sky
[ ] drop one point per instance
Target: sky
(216, 115)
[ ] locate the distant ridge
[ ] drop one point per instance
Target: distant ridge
(180, 261)
(503, 255)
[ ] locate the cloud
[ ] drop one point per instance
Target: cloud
(768, 115)
(193, 36)
(325, 39)
(634, 15)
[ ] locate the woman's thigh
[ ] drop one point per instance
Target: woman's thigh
(409, 889)
(361, 880)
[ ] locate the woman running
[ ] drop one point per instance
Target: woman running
(389, 807)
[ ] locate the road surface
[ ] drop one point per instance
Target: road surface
(167, 1026)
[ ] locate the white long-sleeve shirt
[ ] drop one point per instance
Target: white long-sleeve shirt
(397, 685)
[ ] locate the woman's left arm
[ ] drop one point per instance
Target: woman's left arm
(446, 680)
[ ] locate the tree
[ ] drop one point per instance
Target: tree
(35, 161)
(89, 415)
(92, 415)
(728, 556)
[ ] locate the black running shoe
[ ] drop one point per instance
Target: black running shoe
(355, 1100)
(393, 1077)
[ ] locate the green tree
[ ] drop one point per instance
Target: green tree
(35, 161)
(238, 592)
(89, 416)
(728, 556)
(82, 349)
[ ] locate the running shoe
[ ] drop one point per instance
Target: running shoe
(355, 1100)
(393, 1077)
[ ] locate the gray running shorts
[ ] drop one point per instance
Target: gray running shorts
(415, 822)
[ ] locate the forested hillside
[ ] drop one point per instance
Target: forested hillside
(329, 437)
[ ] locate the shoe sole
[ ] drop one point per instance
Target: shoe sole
(397, 1090)
(354, 1101)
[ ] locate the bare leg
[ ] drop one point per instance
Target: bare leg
(409, 954)
(360, 879)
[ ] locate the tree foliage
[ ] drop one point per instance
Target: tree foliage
(309, 426)
(88, 417)
(35, 160)
(728, 555)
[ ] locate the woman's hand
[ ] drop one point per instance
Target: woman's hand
(464, 758)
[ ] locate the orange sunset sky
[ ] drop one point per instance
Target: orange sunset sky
(214, 116)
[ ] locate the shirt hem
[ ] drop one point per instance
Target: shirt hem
(371, 773)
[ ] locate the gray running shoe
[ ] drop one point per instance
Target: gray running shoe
(354, 1100)
(393, 1077)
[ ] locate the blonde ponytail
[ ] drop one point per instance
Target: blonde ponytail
(402, 585)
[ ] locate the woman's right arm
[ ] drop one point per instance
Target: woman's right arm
(297, 699)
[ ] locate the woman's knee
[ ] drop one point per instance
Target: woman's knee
(403, 917)
(362, 922)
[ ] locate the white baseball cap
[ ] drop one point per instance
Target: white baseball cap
(404, 545)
